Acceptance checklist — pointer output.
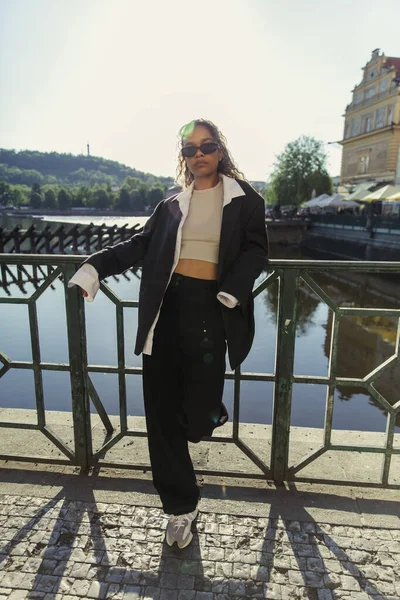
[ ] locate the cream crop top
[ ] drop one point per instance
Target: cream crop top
(202, 228)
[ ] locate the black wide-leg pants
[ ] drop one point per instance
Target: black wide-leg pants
(183, 382)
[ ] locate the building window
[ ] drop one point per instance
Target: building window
(370, 92)
(347, 130)
(380, 117)
(366, 123)
(389, 115)
(384, 85)
(358, 97)
(363, 164)
(355, 127)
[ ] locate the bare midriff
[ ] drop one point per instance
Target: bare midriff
(200, 269)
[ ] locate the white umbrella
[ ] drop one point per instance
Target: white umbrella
(345, 204)
(314, 201)
(329, 201)
(360, 190)
(395, 196)
(324, 202)
(381, 194)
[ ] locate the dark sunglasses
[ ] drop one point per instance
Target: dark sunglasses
(206, 148)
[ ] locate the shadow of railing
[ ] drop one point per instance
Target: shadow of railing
(93, 549)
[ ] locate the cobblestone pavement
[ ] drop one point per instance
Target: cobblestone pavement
(60, 549)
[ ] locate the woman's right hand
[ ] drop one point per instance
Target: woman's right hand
(84, 293)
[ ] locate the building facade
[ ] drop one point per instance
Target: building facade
(371, 139)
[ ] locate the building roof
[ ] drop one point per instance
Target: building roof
(392, 61)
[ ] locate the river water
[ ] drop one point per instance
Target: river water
(364, 343)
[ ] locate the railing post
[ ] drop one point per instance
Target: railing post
(284, 362)
(78, 362)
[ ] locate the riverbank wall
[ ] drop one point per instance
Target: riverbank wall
(352, 244)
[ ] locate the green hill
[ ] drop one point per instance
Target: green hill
(29, 167)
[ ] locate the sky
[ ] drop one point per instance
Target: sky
(125, 75)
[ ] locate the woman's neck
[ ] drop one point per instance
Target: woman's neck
(203, 183)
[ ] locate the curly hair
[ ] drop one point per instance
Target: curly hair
(226, 165)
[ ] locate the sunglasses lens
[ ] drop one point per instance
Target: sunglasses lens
(189, 151)
(208, 147)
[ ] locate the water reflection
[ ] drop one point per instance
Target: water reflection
(364, 342)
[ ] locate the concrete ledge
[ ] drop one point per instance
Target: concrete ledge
(328, 503)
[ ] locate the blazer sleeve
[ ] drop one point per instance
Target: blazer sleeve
(113, 260)
(252, 259)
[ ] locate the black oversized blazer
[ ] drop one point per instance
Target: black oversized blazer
(243, 255)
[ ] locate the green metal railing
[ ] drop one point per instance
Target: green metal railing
(287, 274)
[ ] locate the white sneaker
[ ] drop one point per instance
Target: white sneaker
(178, 529)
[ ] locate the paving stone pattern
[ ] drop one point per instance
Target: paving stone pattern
(55, 549)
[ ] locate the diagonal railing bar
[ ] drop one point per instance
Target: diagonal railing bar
(379, 398)
(269, 280)
(107, 446)
(350, 381)
(304, 462)
(313, 285)
(397, 344)
(109, 293)
(330, 392)
(6, 362)
(43, 287)
(373, 375)
(97, 403)
(390, 428)
(58, 442)
(37, 372)
(253, 457)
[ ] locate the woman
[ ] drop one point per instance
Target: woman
(202, 251)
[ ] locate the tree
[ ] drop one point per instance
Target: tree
(299, 169)
(17, 197)
(123, 201)
(64, 200)
(269, 194)
(132, 183)
(5, 193)
(101, 199)
(137, 201)
(50, 199)
(154, 196)
(35, 200)
(83, 196)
